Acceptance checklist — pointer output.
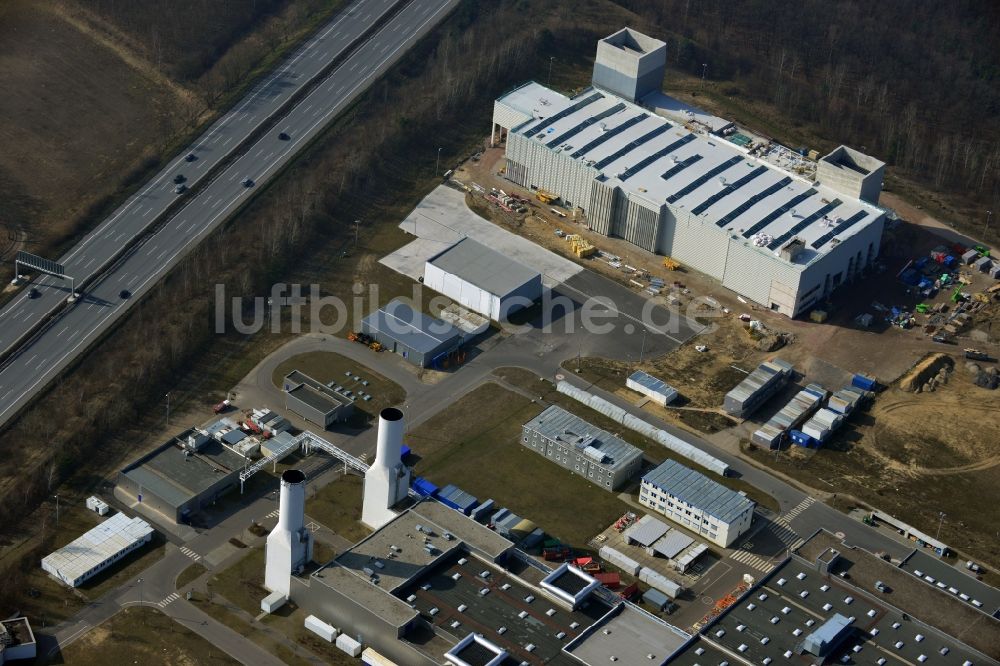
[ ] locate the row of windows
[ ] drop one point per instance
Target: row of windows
(668, 499)
(677, 517)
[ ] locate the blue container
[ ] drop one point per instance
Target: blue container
(405, 451)
(482, 512)
(950, 261)
(424, 487)
(799, 438)
(920, 263)
(864, 382)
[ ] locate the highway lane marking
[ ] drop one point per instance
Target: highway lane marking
(160, 256)
(215, 129)
(33, 357)
(87, 265)
(41, 363)
(226, 142)
(62, 331)
(216, 203)
(193, 225)
(332, 110)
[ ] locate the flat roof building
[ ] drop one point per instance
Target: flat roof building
(957, 582)
(582, 448)
(96, 550)
(182, 475)
(804, 611)
(771, 235)
(628, 635)
(17, 641)
(315, 401)
(483, 280)
(695, 501)
(420, 339)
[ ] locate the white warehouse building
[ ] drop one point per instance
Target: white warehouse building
(768, 234)
(97, 549)
(696, 502)
(482, 280)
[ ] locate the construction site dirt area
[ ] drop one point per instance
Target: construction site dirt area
(915, 455)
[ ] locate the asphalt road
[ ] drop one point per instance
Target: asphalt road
(144, 207)
(40, 361)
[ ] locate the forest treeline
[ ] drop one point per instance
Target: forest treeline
(916, 82)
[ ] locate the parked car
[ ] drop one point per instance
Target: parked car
(247, 182)
(284, 136)
(179, 178)
(124, 293)
(190, 157)
(180, 189)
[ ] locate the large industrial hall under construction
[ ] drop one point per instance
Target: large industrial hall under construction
(781, 237)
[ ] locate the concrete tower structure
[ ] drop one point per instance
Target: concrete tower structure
(387, 481)
(630, 64)
(290, 544)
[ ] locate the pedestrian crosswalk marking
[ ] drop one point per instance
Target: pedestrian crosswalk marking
(752, 560)
(190, 553)
(799, 508)
(169, 600)
(272, 514)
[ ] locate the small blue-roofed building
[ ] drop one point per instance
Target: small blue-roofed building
(696, 502)
(420, 339)
(655, 389)
(827, 636)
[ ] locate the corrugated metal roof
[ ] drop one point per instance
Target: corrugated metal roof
(646, 531)
(558, 424)
(764, 374)
(672, 543)
(483, 267)
(698, 490)
(416, 330)
(97, 545)
(653, 384)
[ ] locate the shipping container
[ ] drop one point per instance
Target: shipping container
(372, 658)
(610, 579)
(656, 599)
(349, 645)
(424, 487)
(799, 438)
(757, 388)
(660, 582)
(322, 629)
(864, 382)
(482, 513)
(619, 559)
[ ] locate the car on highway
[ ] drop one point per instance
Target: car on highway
(180, 178)
(33, 293)
(179, 189)
(124, 294)
(284, 136)
(190, 157)
(247, 182)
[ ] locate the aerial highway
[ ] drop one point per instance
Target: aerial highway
(194, 163)
(31, 367)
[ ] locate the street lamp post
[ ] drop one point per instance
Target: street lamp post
(357, 223)
(57, 509)
(437, 164)
(941, 516)
(168, 408)
(551, 59)
(989, 214)
(642, 348)
(704, 68)
(139, 581)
